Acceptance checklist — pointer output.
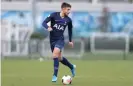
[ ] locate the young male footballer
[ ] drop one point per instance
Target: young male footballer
(59, 21)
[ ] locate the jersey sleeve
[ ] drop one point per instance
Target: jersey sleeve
(44, 24)
(70, 26)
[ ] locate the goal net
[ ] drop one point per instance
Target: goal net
(109, 43)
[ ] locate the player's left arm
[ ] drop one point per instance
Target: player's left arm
(70, 26)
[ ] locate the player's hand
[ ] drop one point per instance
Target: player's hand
(50, 29)
(71, 44)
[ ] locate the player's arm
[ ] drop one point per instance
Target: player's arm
(48, 19)
(70, 26)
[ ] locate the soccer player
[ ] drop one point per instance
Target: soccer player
(59, 21)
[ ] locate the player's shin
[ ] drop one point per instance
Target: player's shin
(66, 62)
(56, 61)
(56, 66)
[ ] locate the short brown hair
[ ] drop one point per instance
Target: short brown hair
(64, 4)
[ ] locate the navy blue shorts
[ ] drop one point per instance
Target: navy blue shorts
(59, 44)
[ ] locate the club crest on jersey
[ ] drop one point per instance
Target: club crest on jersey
(59, 27)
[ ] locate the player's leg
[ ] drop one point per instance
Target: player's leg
(58, 46)
(55, 53)
(64, 61)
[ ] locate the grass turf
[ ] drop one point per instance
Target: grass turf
(89, 73)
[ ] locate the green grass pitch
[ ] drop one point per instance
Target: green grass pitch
(88, 73)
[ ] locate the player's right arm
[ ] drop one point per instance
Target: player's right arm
(48, 19)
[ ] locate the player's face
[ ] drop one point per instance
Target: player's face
(66, 10)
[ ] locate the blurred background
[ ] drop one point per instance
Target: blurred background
(102, 35)
(102, 29)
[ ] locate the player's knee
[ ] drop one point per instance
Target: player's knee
(56, 53)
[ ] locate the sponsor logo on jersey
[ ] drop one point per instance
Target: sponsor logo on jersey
(59, 27)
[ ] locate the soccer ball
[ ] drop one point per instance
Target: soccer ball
(66, 80)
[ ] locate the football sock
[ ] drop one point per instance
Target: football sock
(56, 66)
(66, 62)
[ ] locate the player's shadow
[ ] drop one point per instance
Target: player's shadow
(60, 84)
